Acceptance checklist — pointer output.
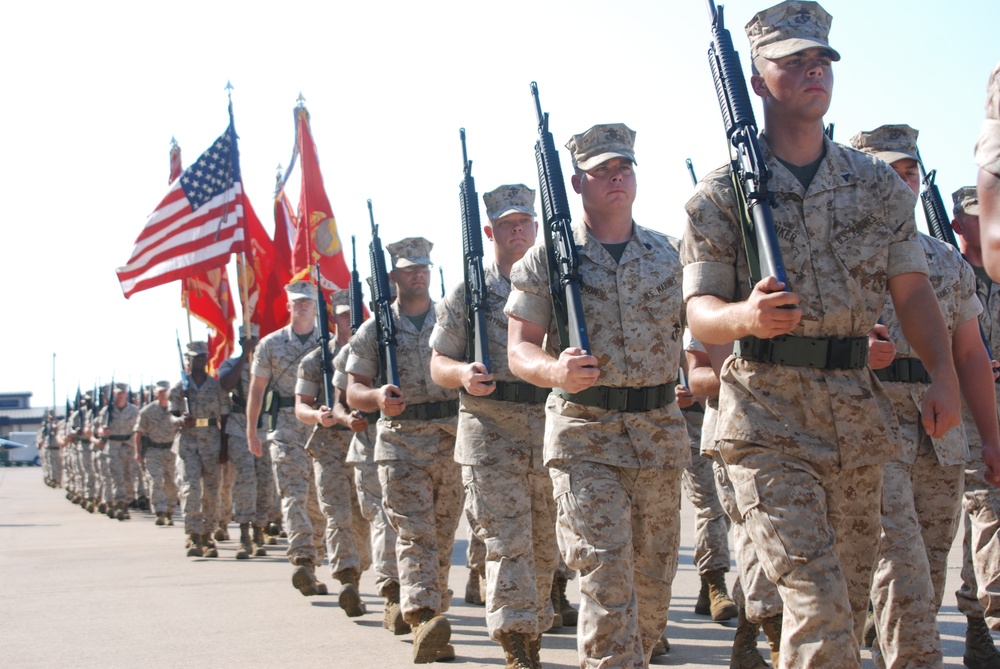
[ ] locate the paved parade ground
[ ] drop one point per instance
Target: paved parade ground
(80, 590)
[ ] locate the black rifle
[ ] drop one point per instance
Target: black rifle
(938, 221)
(477, 343)
(828, 131)
(382, 303)
(324, 342)
(560, 247)
(690, 166)
(185, 381)
(441, 274)
(357, 300)
(749, 171)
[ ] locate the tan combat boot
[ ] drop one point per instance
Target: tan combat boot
(392, 617)
(721, 606)
(517, 650)
(662, 646)
(772, 630)
(258, 542)
(194, 545)
(431, 635)
(349, 598)
(170, 519)
(122, 512)
(745, 654)
(535, 646)
(304, 580)
(560, 604)
(161, 519)
(474, 588)
(208, 548)
(980, 653)
(244, 551)
(222, 532)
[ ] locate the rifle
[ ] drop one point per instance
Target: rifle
(185, 381)
(357, 300)
(938, 221)
(560, 248)
(441, 274)
(748, 169)
(828, 131)
(324, 347)
(477, 344)
(384, 322)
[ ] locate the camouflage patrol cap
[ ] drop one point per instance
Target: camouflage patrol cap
(162, 385)
(300, 290)
(509, 199)
(966, 200)
(410, 251)
(254, 331)
(888, 143)
(600, 143)
(121, 387)
(341, 301)
(196, 348)
(790, 27)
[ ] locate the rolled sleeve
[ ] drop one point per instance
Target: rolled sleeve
(709, 278)
(906, 256)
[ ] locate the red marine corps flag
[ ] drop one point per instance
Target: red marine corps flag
(316, 239)
(196, 226)
(264, 278)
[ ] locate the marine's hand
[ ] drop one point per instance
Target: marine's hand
(390, 400)
(941, 408)
(881, 349)
(770, 310)
(991, 457)
(577, 370)
(324, 416)
(476, 380)
(359, 421)
(253, 443)
(685, 398)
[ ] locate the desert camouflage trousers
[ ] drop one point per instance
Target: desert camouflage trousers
(52, 461)
(102, 473)
(347, 535)
(161, 465)
(304, 522)
(979, 595)
(620, 528)
(121, 463)
(711, 525)
(753, 590)
(816, 533)
(198, 473)
(424, 505)
(920, 510)
(247, 492)
(383, 536)
(512, 514)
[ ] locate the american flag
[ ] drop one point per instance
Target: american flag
(196, 226)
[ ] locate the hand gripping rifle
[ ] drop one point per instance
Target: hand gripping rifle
(324, 347)
(560, 248)
(384, 322)
(749, 171)
(477, 345)
(357, 300)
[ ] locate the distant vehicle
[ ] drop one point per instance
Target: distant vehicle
(27, 454)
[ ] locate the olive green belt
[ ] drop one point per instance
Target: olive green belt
(817, 352)
(904, 370)
(629, 400)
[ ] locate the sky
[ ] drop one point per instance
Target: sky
(93, 93)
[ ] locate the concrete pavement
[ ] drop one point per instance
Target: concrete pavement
(80, 590)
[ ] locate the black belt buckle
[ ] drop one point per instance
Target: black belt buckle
(846, 353)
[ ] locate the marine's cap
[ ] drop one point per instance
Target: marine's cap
(966, 200)
(410, 251)
(162, 385)
(300, 290)
(254, 331)
(196, 348)
(600, 143)
(888, 143)
(86, 397)
(790, 27)
(509, 199)
(121, 388)
(341, 301)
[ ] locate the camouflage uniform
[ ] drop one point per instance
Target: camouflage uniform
(711, 530)
(86, 481)
(421, 482)
(818, 461)
(277, 359)
(347, 532)
(361, 455)
(119, 447)
(157, 427)
(198, 452)
(609, 465)
(988, 145)
(253, 482)
(508, 491)
(981, 542)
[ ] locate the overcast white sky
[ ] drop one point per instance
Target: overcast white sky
(93, 92)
